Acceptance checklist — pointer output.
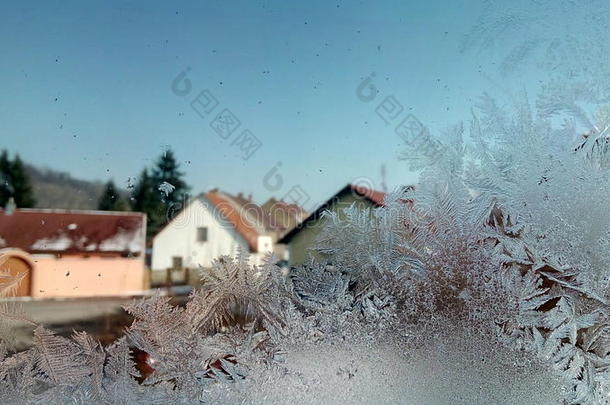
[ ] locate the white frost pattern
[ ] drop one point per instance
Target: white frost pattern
(166, 188)
(486, 283)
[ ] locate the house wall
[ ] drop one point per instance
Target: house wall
(280, 250)
(301, 244)
(179, 238)
(86, 276)
(265, 246)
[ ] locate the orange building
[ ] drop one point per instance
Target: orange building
(74, 253)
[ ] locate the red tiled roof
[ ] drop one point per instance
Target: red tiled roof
(374, 196)
(257, 217)
(283, 215)
(234, 213)
(61, 231)
(273, 218)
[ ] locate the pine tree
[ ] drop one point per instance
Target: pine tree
(5, 178)
(145, 198)
(22, 188)
(167, 170)
(14, 182)
(110, 199)
(170, 188)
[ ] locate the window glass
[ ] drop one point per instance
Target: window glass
(318, 202)
(202, 234)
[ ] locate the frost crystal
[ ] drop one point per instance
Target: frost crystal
(487, 282)
(166, 188)
(490, 275)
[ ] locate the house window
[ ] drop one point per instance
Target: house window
(177, 262)
(202, 234)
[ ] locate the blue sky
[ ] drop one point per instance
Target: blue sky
(86, 87)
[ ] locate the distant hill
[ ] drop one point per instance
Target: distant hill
(55, 189)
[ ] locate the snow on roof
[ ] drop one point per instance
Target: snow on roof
(65, 231)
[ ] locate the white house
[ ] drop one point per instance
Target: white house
(211, 225)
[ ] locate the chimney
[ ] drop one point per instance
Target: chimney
(10, 206)
(250, 197)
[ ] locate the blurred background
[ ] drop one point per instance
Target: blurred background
(140, 141)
